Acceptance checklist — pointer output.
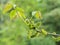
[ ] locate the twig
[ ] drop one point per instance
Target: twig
(48, 33)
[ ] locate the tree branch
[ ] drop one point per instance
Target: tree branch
(48, 33)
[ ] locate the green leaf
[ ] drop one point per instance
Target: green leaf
(12, 14)
(37, 14)
(44, 32)
(19, 9)
(20, 12)
(7, 8)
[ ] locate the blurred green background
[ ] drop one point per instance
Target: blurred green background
(15, 32)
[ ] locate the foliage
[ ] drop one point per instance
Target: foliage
(21, 24)
(52, 20)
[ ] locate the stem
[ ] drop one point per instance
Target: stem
(48, 33)
(53, 34)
